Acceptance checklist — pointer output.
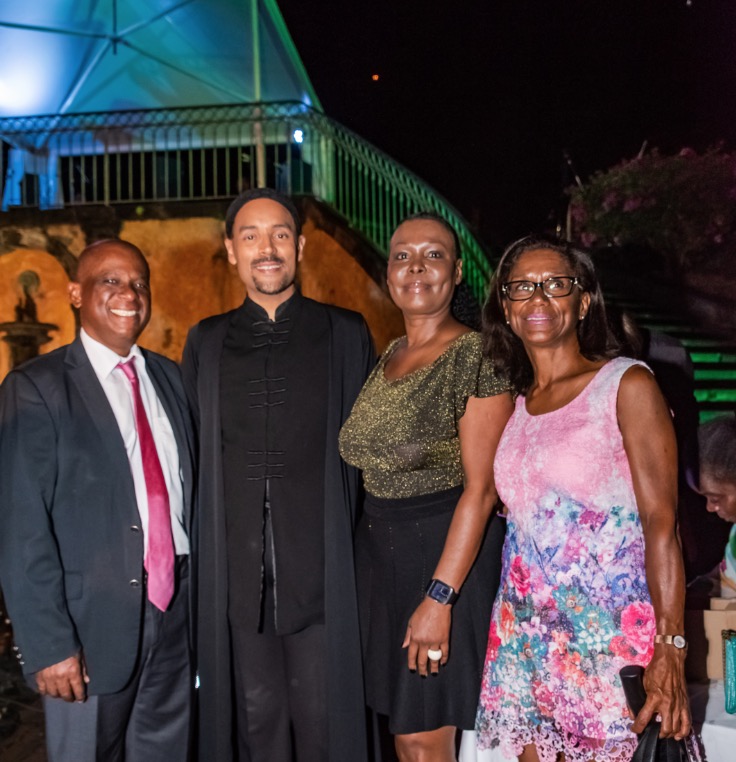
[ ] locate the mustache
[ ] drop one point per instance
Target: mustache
(273, 258)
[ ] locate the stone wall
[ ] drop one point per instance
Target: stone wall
(190, 275)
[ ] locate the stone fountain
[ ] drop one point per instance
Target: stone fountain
(26, 335)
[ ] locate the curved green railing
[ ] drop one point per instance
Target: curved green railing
(214, 152)
(374, 193)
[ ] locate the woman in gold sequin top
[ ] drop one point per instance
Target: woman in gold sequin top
(424, 430)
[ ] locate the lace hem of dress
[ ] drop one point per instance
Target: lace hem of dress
(550, 741)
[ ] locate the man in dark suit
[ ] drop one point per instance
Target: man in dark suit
(95, 514)
(270, 384)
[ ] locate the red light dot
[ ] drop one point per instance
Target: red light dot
(375, 77)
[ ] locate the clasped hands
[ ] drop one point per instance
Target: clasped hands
(428, 628)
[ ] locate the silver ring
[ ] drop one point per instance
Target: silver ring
(434, 655)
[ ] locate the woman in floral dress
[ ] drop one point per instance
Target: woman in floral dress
(592, 574)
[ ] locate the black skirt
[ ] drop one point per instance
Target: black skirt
(398, 545)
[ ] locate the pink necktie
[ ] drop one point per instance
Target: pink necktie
(160, 555)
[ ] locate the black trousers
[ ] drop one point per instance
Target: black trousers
(150, 719)
(280, 684)
(280, 695)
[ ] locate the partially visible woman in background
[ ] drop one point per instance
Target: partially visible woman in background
(717, 443)
(592, 574)
(424, 430)
(702, 535)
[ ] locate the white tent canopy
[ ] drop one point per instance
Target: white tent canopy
(72, 56)
(97, 58)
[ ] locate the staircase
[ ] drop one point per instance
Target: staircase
(713, 358)
(214, 152)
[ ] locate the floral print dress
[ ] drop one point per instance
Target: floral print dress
(573, 606)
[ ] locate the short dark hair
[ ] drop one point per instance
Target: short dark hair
(434, 217)
(505, 348)
(252, 195)
(717, 445)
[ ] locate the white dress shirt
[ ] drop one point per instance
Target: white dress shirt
(120, 396)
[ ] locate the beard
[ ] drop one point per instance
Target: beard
(270, 287)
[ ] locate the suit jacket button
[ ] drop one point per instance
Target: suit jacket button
(21, 662)
(134, 528)
(135, 583)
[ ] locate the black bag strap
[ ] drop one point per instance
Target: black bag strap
(651, 748)
(647, 749)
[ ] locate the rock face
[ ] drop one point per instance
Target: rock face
(190, 275)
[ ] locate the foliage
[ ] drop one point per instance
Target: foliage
(682, 206)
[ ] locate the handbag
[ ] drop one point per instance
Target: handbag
(728, 638)
(651, 747)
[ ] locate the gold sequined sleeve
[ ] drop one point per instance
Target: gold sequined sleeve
(403, 433)
(475, 376)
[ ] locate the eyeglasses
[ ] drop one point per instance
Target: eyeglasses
(521, 290)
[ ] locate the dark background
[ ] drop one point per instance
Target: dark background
(480, 97)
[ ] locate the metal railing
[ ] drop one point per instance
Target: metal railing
(215, 152)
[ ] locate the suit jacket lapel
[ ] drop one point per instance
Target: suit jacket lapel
(82, 375)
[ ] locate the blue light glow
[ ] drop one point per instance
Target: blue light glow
(25, 85)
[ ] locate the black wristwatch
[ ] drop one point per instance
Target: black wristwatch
(441, 592)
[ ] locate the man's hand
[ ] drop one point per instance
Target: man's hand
(65, 680)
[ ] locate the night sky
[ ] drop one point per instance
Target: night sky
(481, 97)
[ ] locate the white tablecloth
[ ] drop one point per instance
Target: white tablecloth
(717, 729)
(469, 752)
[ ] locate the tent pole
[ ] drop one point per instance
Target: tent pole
(258, 126)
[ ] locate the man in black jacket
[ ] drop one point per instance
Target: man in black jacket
(271, 383)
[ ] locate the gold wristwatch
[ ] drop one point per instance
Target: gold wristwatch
(671, 640)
